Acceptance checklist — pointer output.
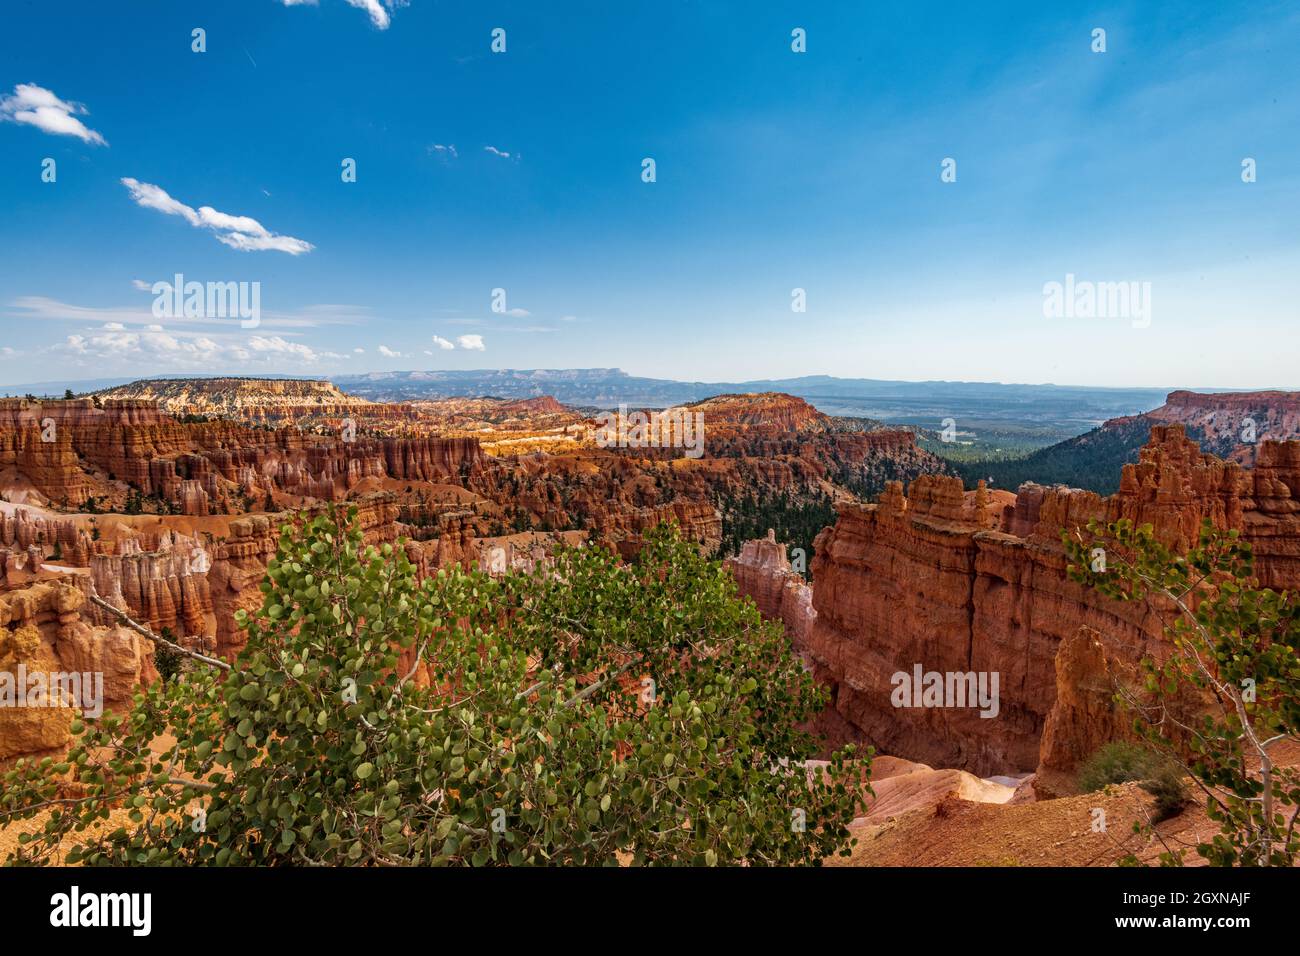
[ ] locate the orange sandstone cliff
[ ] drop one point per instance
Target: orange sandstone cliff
(954, 581)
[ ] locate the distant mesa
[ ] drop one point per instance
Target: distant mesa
(1230, 425)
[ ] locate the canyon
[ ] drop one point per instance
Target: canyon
(975, 581)
(167, 504)
(1232, 425)
(165, 498)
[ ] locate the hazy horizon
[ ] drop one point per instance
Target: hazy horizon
(359, 373)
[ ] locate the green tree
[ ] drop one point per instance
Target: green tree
(1233, 656)
(595, 713)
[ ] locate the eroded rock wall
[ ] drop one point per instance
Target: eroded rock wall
(42, 629)
(919, 580)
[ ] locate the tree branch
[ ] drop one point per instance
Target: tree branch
(141, 629)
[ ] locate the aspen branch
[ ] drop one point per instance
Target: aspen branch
(592, 688)
(141, 629)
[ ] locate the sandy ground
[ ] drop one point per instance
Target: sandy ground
(961, 831)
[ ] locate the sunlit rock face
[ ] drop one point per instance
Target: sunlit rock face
(926, 578)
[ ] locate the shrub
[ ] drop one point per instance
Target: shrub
(1115, 762)
(592, 713)
(1125, 762)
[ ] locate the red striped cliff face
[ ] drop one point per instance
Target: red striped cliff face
(42, 629)
(1235, 425)
(761, 409)
(956, 583)
(201, 467)
(763, 572)
(186, 511)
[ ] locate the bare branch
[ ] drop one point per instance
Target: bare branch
(141, 629)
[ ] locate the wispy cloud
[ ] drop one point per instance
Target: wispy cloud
(499, 152)
(444, 150)
(442, 343)
(44, 309)
(36, 106)
(386, 352)
(238, 232)
(379, 11)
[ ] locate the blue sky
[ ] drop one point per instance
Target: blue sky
(775, 170)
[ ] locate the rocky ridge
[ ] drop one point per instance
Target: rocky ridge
(957, 581)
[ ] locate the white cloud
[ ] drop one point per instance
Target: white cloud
(377, 10)
(359, 351)
(496, 152)
(275, 345)
(238, 232)
(517, 313)
(442, 343)
(7, 352)
(448, 150)
(244, 243)
(147, 345)
(471, 342)
(155, 197)
(141, 285)
(378, 14)
(386, 352)
(154, 347)
(568, 318)
(36, 106)
(307, 317)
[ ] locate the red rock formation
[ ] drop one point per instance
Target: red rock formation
(41, 629)
(166, 588)
(763, 573)
(541, 405)
(198, 465)
(915, 580)
(22, 528)
(1084, 714)
(44, 456)
(239, 563)
(1234, 424)
(698, 521)
(784, 412)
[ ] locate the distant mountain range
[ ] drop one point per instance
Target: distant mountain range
(988, 415)
(607, 387)
(1035, 415)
